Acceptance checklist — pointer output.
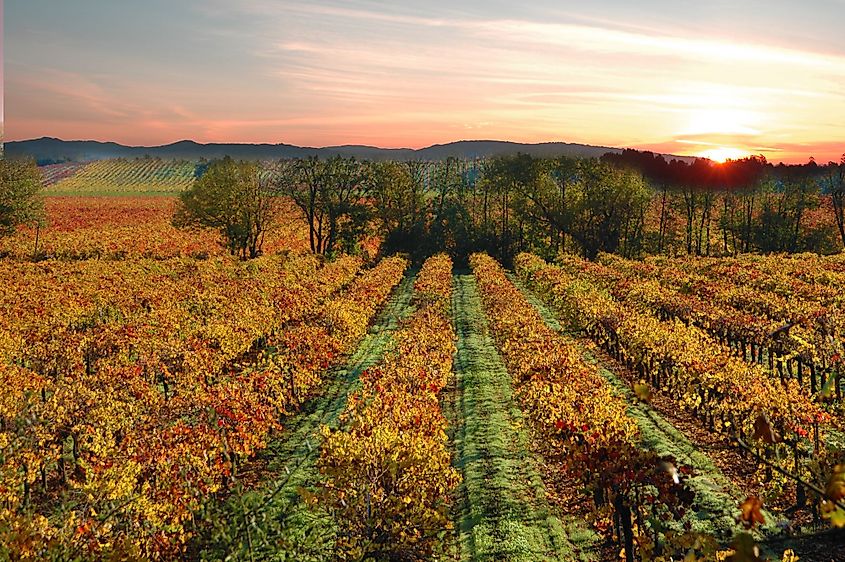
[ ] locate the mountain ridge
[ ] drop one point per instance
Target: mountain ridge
(51, 150)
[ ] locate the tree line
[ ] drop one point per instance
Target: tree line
(506, 205)
(744, 205)
(632, 203)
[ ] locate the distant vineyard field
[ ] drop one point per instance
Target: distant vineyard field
(121, 176)
(55, 173)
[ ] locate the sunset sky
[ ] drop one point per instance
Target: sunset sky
(718, 78)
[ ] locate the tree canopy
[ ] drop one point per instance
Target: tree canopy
(633, 203)
(234, 198)
(21, 200)
(332, 195)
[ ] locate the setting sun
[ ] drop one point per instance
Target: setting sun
(723, 153)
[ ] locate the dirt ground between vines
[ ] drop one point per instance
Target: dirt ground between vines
(826, 545)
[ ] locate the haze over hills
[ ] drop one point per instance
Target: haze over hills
(49, 150)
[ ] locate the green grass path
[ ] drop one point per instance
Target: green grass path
(279, 525)
(717, 498)
(503, 512)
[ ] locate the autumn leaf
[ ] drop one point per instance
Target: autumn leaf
(764, 431)
(837, 517)
(643, 391)
(307, 496)
(751, 514)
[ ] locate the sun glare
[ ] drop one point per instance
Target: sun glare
(723, 153)
(723, 121)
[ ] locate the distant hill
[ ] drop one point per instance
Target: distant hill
(49, 150)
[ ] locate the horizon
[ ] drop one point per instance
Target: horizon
(304, 146)
(427, 146)
(718, 81)
(424, 147)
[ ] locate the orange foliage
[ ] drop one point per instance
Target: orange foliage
(135, 389)
(131, 227)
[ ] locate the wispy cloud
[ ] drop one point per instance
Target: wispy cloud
(609, 40)
(411, 74)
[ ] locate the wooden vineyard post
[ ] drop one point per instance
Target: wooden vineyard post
(813, 387)
(800, 372)
(624, 514)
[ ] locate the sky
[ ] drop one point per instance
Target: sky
(717, 78)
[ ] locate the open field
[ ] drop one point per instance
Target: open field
(165, 400)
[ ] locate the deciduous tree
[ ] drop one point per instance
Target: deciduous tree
(332, 196)
(235, 198)
(21, 200)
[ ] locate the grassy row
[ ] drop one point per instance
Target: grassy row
(147, 453)
(389, 476)
(277, 518)
(582, 422)
(716, 497)
(505, 512)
